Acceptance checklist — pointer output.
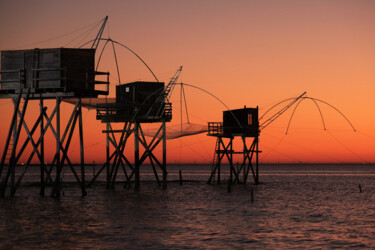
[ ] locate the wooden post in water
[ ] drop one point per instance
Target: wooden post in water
(180, 177)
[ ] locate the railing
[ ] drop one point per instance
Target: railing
(36, 77)
(168, 111)
(215, 128)
(104, 111)
(20, 79)
(98, 73)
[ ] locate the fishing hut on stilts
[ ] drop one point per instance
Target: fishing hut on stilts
(37, 75)
(238, 123)
(137, 103)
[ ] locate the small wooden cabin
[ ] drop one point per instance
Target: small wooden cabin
(236, 122)
(137, 101)
(49, 71)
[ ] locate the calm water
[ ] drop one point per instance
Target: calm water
(313, 206)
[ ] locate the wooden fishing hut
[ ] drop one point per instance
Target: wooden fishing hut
(37, 75)
(136, 103)
(239, 123)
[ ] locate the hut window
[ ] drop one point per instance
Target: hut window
(249, 119)
(127, 89)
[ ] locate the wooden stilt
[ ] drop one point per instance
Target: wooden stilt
(42, 184)
(107, 157)
(227, 151)
(257, 160)
(83, 182)
(56, 189)
(164, 156)
(136, 155)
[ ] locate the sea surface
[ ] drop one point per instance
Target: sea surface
(294, 206)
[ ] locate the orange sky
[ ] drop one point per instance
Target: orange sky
(252, 53)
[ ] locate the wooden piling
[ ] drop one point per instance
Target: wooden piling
(180, 178)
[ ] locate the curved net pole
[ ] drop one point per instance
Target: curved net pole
(274, 106)
(295, 108)
(338, 112)
(109, 39)
(100, 56)
(291, 117)
(186, 108)
(118, 71)
(138, 58)
(280, 112)
(320, 112)
(189, 85)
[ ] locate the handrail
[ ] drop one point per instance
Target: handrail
(20, 80)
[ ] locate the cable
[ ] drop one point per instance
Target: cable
(373, 138)
(348, 149)
(276, 145)
(84, 36)
(57, 37)
(307, 149)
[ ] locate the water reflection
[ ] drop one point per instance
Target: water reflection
(288, 212)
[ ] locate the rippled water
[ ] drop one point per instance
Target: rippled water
(293, 207)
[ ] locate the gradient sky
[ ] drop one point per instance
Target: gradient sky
(252, 53)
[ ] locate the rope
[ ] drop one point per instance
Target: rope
(307, 149)
(348, 149)
(83, 35)
(58, 37)
(371, 137)
(273, 148)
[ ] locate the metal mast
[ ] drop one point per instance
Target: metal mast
(99, 35)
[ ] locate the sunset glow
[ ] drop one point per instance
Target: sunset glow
(253, 53)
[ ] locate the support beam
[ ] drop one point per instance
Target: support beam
(164, 155)
(57, 184)
(143, 150)
(136, 155)
(225, 150)
(42, 184)
(83, 183)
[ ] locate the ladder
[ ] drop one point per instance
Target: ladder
(215, 161)
(171, 83)
(165, 95)
(8, 152)
(14, 129)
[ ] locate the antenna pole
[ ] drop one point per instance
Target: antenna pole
(99, 35)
